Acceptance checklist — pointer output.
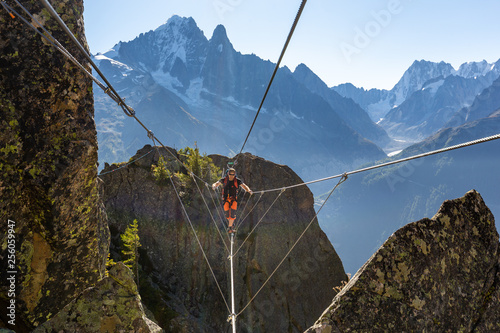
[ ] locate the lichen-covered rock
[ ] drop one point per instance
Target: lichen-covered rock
(112, 305)
(434, 275)
(48, 156)
(177, 285)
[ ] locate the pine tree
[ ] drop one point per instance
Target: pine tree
(201, 165)
(131, 245)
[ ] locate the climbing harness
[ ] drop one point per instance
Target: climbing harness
(225, 184)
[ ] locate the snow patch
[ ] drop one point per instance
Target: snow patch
(166, 80)
(220, 48)
(394, 153)
(171, 41)
(195, 89)
(433, 87)
(113, 52)
(125, 68)
(180, 53)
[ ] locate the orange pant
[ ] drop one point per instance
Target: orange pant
(230, 209)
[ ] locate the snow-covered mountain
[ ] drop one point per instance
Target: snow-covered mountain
(393, 196)
(426, 98)
(477, 69)
(189, 89)
(429, 109)
(414, 78)
(378, 103)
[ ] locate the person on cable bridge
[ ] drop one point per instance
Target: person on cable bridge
(231, 184)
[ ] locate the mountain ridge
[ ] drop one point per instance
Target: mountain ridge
(378, 102)
(221, 89)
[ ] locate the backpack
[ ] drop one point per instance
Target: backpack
(226, 179)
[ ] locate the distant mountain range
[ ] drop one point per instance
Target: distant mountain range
(396, 195)
(192, 90)
(425, 98)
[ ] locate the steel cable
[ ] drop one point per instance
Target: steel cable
(297, 17)
(343, 179)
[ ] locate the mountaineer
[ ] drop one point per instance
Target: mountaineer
(230, 188)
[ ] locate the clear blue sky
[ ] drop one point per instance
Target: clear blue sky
(369, 43)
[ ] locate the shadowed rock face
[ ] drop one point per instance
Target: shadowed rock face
(434, 275)
(176, 284)
(48, 156)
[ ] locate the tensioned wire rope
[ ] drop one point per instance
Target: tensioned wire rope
(260, 220)
(244, 218)
(195, 234)
(131, 113)
(164, 166)
(343, 179)
(109, 90)
(52, 41)
(297, 17)
(126, 164)
(381, 165)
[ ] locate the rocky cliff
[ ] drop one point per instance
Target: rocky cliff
(176, 284)
(54, 236)
(434, 275)
(112, 305)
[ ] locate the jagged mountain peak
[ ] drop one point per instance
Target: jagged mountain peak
(424, 62)
(176, 33)
(177, 24)
(220, 40)
(476, 69)
(220, 33)
(416, 75)
(302, 67)
(172, 54)
(308, 76)
(422, 70)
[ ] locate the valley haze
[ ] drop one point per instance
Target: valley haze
(193, 89)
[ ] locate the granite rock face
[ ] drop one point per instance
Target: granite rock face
(434, 275)
(112, 305)
(176, 283)
(48, 156)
